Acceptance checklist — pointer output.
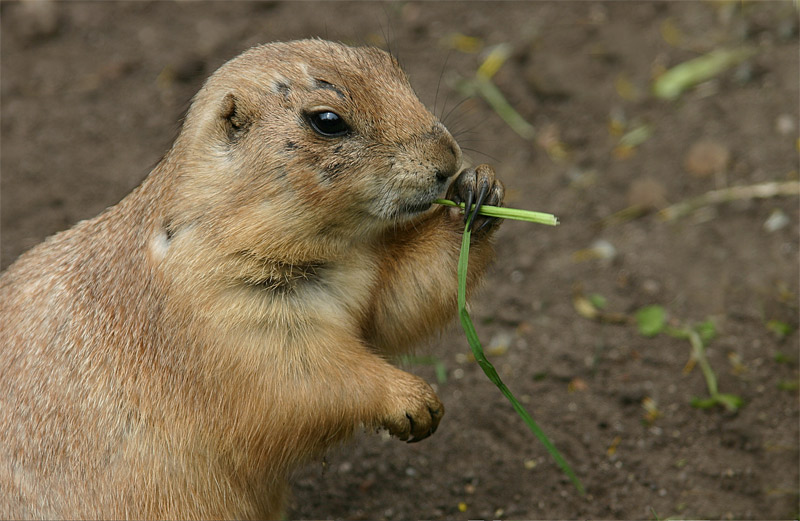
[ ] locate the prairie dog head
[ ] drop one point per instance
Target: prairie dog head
(322, 137)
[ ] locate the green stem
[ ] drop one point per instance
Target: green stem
(507, 213)
(699, 351)
(489, 370)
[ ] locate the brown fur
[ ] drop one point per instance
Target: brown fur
(179, 354)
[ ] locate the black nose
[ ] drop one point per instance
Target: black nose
(444, 175)
(450, 157)
(444, 153)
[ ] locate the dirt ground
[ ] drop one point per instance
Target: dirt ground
(92, 95)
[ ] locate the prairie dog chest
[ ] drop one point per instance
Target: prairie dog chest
(252, 295)
(335, 290)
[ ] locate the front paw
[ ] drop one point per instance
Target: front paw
(477, 186)
(414, 412)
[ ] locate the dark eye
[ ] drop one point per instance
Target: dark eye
(328, 124)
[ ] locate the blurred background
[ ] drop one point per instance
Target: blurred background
(653, 334)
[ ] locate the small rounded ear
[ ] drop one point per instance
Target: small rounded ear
(235, 117)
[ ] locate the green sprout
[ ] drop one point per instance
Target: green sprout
(651, 321)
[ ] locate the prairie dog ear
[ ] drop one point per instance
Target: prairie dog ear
(235, 116)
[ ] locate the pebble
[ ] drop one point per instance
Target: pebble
(603, 250)
(647, 193)
(785, 124)
(39, 19)
(651, 287)
(776, 221)
(706, 158)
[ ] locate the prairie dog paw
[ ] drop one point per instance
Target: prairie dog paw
(477, 186)
(415, 410)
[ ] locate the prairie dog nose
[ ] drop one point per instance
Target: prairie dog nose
(447, 153)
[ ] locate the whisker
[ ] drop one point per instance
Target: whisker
(469, 130)
(439, 83)
(444, 119)
(475, 151)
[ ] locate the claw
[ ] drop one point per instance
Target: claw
(468, 205)
(410, 437)
(485, 224)
(414, 439)
(481, 196)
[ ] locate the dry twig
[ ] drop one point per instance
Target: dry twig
(733, 193)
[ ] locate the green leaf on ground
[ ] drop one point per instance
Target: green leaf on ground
(730, 402)
(707, 331)
(598, 301)
(683, 76)
(781, 329)
(651, 320)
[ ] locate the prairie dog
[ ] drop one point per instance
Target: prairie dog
(230, 319)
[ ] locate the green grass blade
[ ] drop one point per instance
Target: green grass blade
(683, 76)
(492, 95)
(508, 213)
(489, 370)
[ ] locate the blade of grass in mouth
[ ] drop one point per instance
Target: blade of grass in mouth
(508, 213)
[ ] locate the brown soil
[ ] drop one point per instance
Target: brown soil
(92, 95)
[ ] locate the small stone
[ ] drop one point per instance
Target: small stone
(603, 250)
(776, 220)
(785, 124)
(647, 193)
(651, 287)
(39, 19)
(707, 158)
(499, 343)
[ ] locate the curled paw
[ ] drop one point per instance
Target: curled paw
(416, 413)
(476, 187)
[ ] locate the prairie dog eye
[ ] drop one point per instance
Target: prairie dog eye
(328, 123)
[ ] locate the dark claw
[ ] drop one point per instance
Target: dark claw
(468, 205)
(411, 428)
(473, 187)
(485, 224)
(481, 196)
(416, 440)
